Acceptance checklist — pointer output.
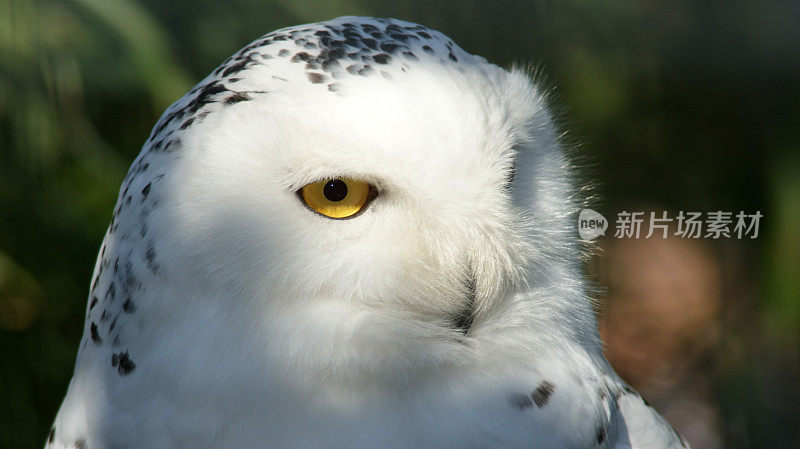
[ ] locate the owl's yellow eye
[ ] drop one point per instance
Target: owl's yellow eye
(337, 197)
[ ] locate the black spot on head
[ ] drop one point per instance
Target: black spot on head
(284, 52)
(128, 306)
(371, 43)
(541, 395)
(173, 144)
(400, 37)
(393, 28)
(301, 56)
(52, 435)
(113, 325)
(389, 48)
(204, 96)
(95, 334)
(601, 435)
(80, 444)
(123, 363)
(187, 123)
(382, 58)
(93, 303)
(329, 64)
(150, 257)
(236, 98)
(427, 49)
(111, 292)
(452, 57)
(146, 190)
(424, 34)
(201, 116)
(521, 401)
(335, 54)
(316, 78)
(410, 55)
(130, 280)
(280, 37)
(333, 87)
(369, 28)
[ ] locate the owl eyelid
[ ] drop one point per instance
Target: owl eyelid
(373, 184)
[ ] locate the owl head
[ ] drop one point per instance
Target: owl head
(358, 194)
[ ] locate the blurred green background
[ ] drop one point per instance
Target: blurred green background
(674, 105)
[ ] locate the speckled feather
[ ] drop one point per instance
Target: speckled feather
(452, 313)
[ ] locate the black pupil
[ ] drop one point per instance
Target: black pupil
(335, 190)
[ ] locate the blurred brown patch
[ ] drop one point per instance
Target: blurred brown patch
(661, 321)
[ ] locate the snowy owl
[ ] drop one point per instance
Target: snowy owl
(352, 234)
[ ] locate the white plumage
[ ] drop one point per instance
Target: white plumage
(450, 311)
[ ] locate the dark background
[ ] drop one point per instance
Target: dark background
(672, 104)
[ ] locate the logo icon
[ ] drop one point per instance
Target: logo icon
(591, 224)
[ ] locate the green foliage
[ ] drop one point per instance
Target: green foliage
(677, 105)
